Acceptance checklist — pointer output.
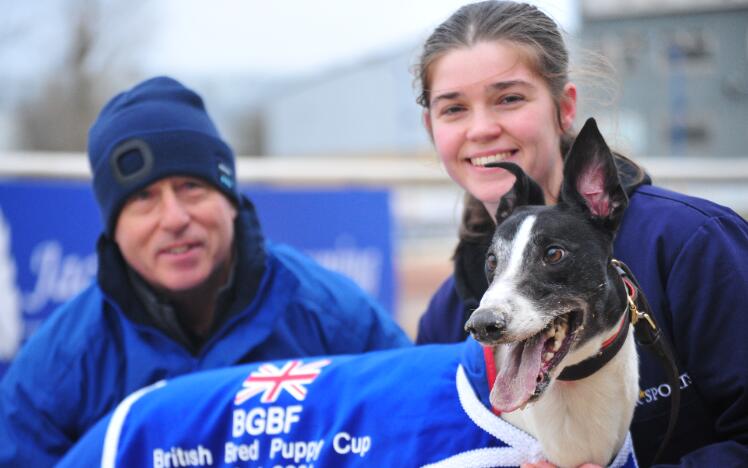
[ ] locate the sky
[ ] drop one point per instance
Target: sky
(296, 36)
(224, 37)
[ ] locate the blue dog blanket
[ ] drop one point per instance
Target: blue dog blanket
(409, 407)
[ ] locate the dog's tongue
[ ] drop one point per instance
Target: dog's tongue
(517, 378)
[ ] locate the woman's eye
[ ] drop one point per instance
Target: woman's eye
(554, 255)
(491, 263)
(451, 110)
(511, 99)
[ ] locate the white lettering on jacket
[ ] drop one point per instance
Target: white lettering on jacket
(178, 456)
(273, 420)
(344, 443)
(298, 451)
(652, 394)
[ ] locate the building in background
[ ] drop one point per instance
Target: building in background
(682, 68)
(357, 109)
(680, 84)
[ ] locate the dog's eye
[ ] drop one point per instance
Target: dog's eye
(490, 263)
(554, 255)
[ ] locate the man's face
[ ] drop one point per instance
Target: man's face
(177, 233)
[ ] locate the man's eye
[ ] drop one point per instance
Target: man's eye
(142, 195)
(192, 185)
(554, 255)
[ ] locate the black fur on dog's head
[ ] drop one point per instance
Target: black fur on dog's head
(553, 292)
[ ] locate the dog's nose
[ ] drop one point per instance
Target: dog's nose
(486, 326)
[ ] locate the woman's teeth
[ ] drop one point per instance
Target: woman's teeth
(179, 250)
(483, 160)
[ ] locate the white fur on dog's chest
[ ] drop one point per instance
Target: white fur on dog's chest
(521, 447)
(584, 421)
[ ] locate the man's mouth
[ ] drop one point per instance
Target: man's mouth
(482, 161)
(178, 249)
(526, 366)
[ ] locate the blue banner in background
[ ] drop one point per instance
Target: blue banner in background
(346, 230)
(48, 232)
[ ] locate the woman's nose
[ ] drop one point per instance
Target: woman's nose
(484, 126)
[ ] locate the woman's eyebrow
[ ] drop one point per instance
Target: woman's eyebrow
(445, 97)
(501, 85)
(497, 86)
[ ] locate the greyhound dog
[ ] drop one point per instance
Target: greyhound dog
(555, 300)
(555, 308)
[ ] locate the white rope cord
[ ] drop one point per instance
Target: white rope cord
(521, 448)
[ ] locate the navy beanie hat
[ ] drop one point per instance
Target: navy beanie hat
(159, 128)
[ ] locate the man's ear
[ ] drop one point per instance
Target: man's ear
(568, 107)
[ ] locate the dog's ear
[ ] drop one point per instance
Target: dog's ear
(591, 179)
(525, 191)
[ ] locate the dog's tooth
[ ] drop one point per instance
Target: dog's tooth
(559, 340)
(547, 356)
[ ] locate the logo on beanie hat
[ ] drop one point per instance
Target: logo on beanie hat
(226, 175)
(131, 160)
(157, 129)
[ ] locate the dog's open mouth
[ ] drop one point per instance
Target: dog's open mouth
(525, 368)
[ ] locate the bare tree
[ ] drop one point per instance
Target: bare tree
(101, 39)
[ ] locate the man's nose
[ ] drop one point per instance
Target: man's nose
(174, 214)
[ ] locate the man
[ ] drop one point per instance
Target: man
(185, 281)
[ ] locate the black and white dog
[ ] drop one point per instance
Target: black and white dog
(555, 300)
(555, 308)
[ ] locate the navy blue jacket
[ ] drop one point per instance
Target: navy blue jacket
(100, 346)
(404, 407)
(691, 258)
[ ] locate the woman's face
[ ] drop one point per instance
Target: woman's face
(487, 105)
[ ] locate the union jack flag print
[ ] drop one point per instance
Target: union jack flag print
(271, 381)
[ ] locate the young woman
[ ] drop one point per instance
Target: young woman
(495, 87)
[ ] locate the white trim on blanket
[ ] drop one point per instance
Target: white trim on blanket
(114, 428)
(522, 447)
